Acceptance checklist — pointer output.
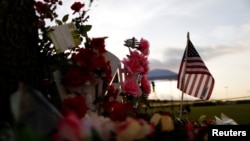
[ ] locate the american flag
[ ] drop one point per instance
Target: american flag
(194, 78)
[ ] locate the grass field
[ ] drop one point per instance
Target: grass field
(239, 112)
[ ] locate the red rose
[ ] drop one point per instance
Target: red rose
(131, 87)
(40, 7)
(76, 76)
(76, 104)
(99, 44)
(77, 6)
(81, 57)
(120, 111)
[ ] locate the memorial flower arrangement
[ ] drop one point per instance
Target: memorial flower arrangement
(79, 59)
(83, 66)
(91, 108)
(135, 87)
(160, 126)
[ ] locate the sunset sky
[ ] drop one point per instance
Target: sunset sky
(219, 30)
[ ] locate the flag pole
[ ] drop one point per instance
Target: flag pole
(183, 79)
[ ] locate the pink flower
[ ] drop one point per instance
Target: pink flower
(131, 86)
(145, 84)
(144, 46)
(133, 65)
(69, 128)
(136, 63)
(143, 61)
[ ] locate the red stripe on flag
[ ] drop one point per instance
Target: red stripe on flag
(200, 80)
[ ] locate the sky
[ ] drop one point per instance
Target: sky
(219, 30)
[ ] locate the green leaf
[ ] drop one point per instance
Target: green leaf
(65, 18)
(84, 29)
(87, 27)
(59, 22)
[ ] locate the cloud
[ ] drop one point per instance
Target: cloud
(218, 28)
(172, 55)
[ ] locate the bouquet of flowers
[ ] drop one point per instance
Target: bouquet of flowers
(80, 60)
(90, 107)
(160, 126)
(85, 71)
